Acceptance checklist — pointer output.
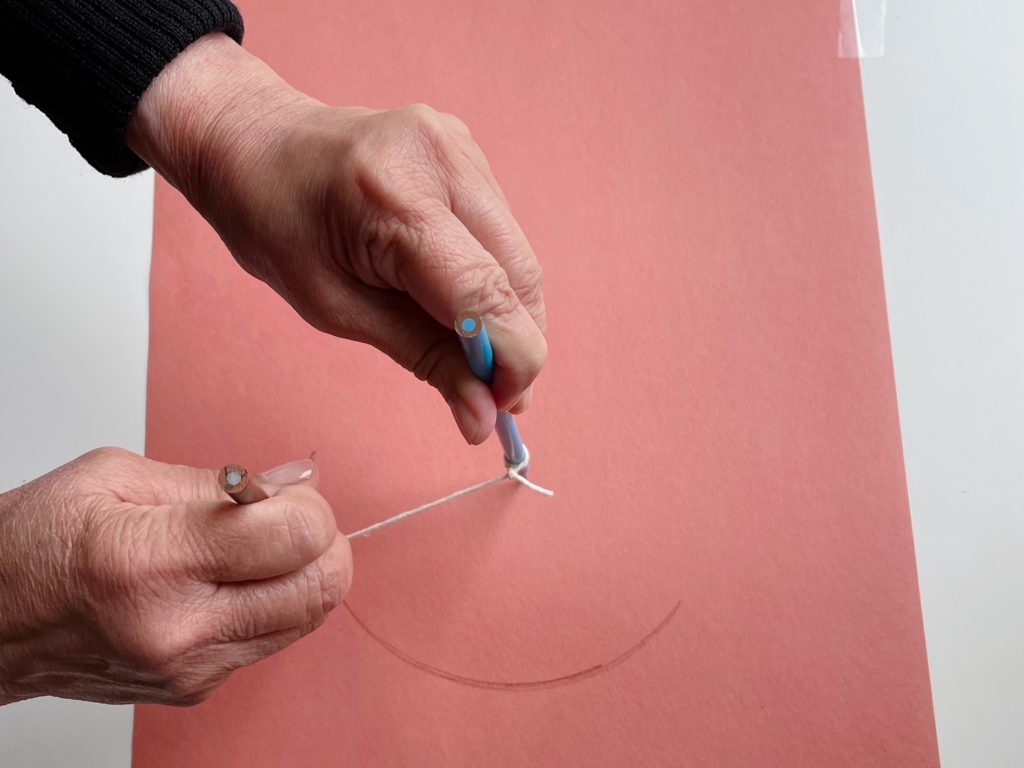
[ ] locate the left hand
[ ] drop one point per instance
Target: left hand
(125, 580)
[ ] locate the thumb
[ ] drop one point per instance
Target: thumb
(139, 480)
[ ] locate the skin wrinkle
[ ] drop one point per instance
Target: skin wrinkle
(493, 295)
(425, 368)
(521, 267)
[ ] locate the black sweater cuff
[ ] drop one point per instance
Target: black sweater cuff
(86, 63)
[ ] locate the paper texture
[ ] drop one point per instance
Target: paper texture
(726, 575)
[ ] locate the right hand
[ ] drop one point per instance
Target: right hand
(125, 580)
(378, 226)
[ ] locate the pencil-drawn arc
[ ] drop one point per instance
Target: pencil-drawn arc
(513, 685)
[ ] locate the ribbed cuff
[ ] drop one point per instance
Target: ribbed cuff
(86, 63)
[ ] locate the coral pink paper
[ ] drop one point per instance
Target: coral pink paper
(726, 574)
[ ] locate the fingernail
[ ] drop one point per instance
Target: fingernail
(303, 471)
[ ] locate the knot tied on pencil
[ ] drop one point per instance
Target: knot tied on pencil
(476, 345)
(480, 355)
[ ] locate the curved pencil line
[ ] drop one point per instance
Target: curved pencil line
(528, 685)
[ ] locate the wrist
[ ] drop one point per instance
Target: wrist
(8, 635)
(208, 115)
(36, 586)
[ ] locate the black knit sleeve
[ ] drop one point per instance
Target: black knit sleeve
(86, 63)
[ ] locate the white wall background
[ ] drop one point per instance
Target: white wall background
(945, 111)
(74, 324)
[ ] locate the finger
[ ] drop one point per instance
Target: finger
(139, 480)
(258, 648)
(227, 542)
(299, 599)
(446, 270)
(478, 203)
(395, 324)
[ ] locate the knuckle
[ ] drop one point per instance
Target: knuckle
(427, 365)
(103, 469)
(427, 128)
(424, 117)
(493, 293)
(455, 124)
(331, 583)
(107, 453)
(158, 650)
(107, 459)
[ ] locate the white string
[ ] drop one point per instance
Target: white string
(514, 472)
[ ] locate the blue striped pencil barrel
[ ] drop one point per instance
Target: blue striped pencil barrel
(480, 356)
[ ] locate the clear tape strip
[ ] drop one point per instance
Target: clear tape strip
(861, 29)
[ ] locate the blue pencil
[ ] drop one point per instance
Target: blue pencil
(480, 356)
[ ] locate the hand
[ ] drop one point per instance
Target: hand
(376, 226)
(125, 580)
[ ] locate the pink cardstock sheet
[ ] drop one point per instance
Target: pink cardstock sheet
(725, 576)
